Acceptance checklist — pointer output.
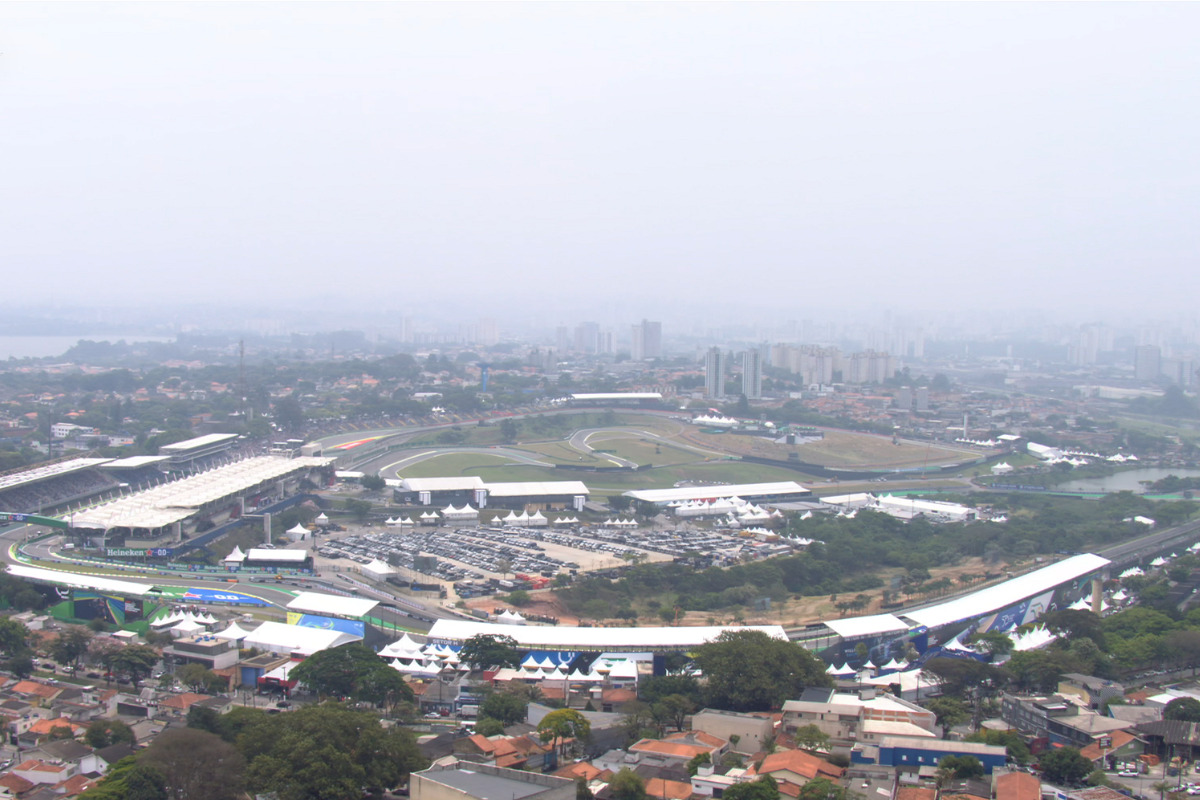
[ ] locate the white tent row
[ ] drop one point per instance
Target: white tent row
(510, 617)
(620, 523)
(1036, 637)
(398, 521)
(178, 617)
(566, 521)
(466, 512)
(535, 520)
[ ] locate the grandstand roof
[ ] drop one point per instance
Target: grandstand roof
(173, 502)
(607, 639)
(77, 581)
(134, 462)
(332, 604)
(41, 473)
(706, 492)
(534, 488)
(200, 441)
(456, 484)
(267, 554)
(1003, 595)
(280, 638)
(617, 396)
(866, 626)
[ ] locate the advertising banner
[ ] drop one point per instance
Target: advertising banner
(354, 626)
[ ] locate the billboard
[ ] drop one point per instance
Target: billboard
(353, 626)
(137, 552)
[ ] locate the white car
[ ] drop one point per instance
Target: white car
(1128, 773)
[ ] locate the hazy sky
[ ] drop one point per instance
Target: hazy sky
(808, 155)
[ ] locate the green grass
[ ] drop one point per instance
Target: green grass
(606, 483)
(472, 435)
(453, 464)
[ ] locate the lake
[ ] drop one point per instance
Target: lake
(1127, 481)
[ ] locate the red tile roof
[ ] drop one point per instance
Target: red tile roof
(1018, 786)
(801, 763)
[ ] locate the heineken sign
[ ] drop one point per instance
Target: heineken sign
(127, 552)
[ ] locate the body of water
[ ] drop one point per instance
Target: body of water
(1127, 481)
(51, 346)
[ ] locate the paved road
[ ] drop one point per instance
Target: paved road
(278, 596)
(393, 466)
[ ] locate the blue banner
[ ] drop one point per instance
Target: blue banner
(219, 596)
(353, 626)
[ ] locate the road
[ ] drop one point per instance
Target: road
(392, 468)
(277, 596)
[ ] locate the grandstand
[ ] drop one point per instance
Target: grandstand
(196, 453)
(52, 485)
(170, 510)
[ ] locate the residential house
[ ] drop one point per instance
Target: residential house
(1017, 786)
(515, 752)
(842, 715)
(1092, 692)
(177, 705)
(796, 768)
(37, 771)
(683, 747)
(746, 733)
(68, 751)
(912, 753)
(451, 779)
(1055, 720)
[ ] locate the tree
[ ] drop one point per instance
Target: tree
(627, 785)
(994, 643)
(130, 780)
(324, 751)
(764, 788)
(104, 732)
(656, 687)
(353, 671)
(505, 707)
(135, 660)
(697, 761)
(1064, 765)
(1186, 709)
(562, 725)
(359, 509)
(190, 760)
(810, 737)
(750, 671)
(485, 650)
(672, 710)
(961, 767)
(71, 646)
(199, 679)
(487, 726)
(14, 644)
(950, 711)
(582, 792)
(373, 483)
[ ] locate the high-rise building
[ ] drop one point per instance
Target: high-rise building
(587, 337)
(647, 340)
(562, 339)
(752, 374)
(487, 333)
(714, 373)
(1147, 362)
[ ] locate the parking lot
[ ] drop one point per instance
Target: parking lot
(484, 552)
